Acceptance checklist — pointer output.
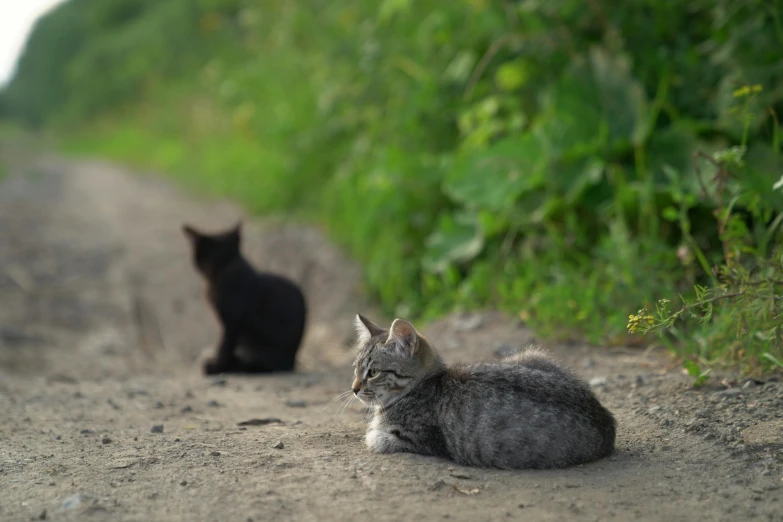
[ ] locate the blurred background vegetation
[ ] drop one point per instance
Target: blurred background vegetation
(570, 161)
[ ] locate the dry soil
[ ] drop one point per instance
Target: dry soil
(105, 415)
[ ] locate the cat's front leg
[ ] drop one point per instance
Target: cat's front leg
(381, 438)
(224, 359)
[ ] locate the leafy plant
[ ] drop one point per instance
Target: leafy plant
(699, 377)
(533, 156)
(742, 308)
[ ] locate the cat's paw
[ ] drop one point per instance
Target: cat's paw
(214, 366)
(380, 441)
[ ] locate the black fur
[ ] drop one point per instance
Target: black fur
(263, 315)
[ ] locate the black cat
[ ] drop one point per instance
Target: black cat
(263, 315)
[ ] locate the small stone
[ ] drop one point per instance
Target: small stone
(87, 431)
(278, 445)
(106, 440)
(260, 422)
(186, 409)
(42, 516)
(220, 381)
(73, 501)
(183, 483)
(639, 380)
(158, 405)
(730, 392)
(749, 384)
(597, 381)
(437, 485)
(296, 404)
(157, 428)
(653, 409)
(215, 453)
(61, 378)
(469, 322)
(213, 404)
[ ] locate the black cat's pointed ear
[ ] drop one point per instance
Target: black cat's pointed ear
(190, 232)
(237, 230)
(366, 329)
(404, 336)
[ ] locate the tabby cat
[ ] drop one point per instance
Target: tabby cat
(526, 411)
(262, 315)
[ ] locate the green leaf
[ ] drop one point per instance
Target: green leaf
(494, 178)
(597, 101)
(670, 214)
(777, 362)
(461, 66)
(512, 75)
(389, 8)
(457, 239)
(699, 376)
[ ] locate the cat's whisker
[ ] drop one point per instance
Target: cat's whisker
(347, 403)
(340, 396)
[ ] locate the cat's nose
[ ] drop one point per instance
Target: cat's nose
(356, 389)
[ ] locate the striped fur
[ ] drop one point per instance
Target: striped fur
(526, 411)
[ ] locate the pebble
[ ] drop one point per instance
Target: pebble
(296, 404)
(106, 440)
(73, 501)
(186, 409)
(183, 483)
(157, 428)
(278, 445)
(220, 381)
(260, 422)
(215, 453)
(731, 392)
(213, 404)
(597, 381)
(158, 405)
(467, 323)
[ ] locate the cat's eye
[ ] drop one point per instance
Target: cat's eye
(372, 372)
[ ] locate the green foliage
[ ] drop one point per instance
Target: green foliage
(699, 377)
(537, 156)
(741, 312)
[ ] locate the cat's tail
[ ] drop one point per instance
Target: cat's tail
(536, 357)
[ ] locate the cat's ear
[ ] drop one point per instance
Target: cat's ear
(191, 233)
(404, 336)
(237, 230)
(366, 329)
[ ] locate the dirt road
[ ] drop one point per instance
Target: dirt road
(102, 323)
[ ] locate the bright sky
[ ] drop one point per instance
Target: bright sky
(16, 21)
